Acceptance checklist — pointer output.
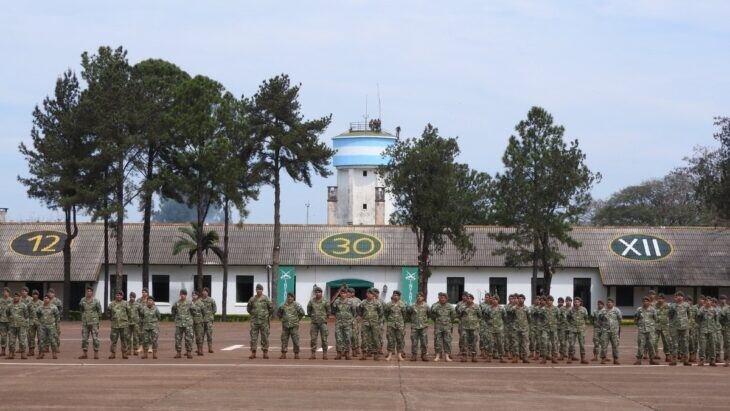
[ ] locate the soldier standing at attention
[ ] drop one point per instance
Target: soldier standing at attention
(469, 318)
(182, 313)
(443, 314)
(535, 326)
(59, 305)
(356, 324)
(522, 330)
(662, 329)
(597, 328)
(563, 325)
(318, 311)
(484, 340)
(5, 302)
(725, 325)
(576, 318)
(48, 316)
(611, 331)
(260, 309)
(33, 304)
(119, 315)
(706, 318)
(18, 316)
(345, 313)
(679, 327)
(290, 313)
(134, 335)
(197, 311)
(210, 309)
(645, 319)
(395, 320)
(509, 325)
(90, 315)
(494, 315)
(150, 327)
(371, 313)
(143, 297)
(549, 342)
(418, 314)
(693, 330)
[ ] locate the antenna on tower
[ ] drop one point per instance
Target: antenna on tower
(380, 114)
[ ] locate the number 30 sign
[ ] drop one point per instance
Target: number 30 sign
(39, 243)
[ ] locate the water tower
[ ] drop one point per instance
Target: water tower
(359, 197)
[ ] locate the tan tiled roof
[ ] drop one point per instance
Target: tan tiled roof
(701, 256)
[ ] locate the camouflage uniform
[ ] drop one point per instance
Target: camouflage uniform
(4, 322)
(210, 309)
(18, 314)
(563, 331)
(260, 310)
(290, 314)
(533, 322)
(318, 312)
(645, 319)
(119, 315)
(356, 338)
(484, 338)
(197, 311)
(182, 313)
(469, 319)
(694, 331)
(418, 315)
(610, 333)
(134, 336)
(679, 329)
(549, 332)
(459, 328)
(706, 317)
(518, 315)
(59, 305)
(371, 313)
(48, 316)
(576, 318)
(443, 316)
(90, 316)
(597, 331)
(345, 312)
(724, 318)
(662, 330)
(395, 321)
(33, 333)
(150, 327)
(494, 316)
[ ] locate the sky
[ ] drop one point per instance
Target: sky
(637, 82)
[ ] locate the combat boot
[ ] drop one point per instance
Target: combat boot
(313, 356)
(144, 355)
(615, 361)
(489, 358)
(2, 353)
(96, 355)
(55, 357)
(502, 360)
(178, 355)
(154, 354)
(447, 358)
(266, 354)
(700, 362)
(23, 357)
(210, 348)
(424, 357)
(31, 352)
(199, 350)
(525, 360)
(124, 355)
(463, 357)
(437, 357)
(515, 360)
(40, 355)
(474, 358)
(347, 355)
(253, 355)
(324, 355)
(363, 356)
(543, 361)
(113, 355)
(83, 356)
(653, 362)
(553, 360)
(583, 359)
(569, 360)
(414, 357)
(595, 358)
(604, 360)
(282, 356)
(296, 355)
(390, 355)
(712, 362)
(672, 360)
(11, 355)
(638, 361)
(686, 361)
(667, 358)
(400, 357)
(573, 357)
(189, 355)
(376, 356)
(483, 354)
(337, 357)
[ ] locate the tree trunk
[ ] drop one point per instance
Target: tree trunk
(199, 248)
(147, 224)
(424, 270)
(547, 269)
(106, 260)
(120, 229)
(226, 217)
(277, 238)
(72, 231)
(534, 272)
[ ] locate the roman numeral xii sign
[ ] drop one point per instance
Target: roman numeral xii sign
(641, 247)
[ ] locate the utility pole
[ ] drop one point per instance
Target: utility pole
(307, 205)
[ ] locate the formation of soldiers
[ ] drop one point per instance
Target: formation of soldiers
(28, 322)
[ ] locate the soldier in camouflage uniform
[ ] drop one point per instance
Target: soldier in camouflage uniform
(260, 309)
(706, 318)
(509, 326)
(662, 329)
(678, 313)
(210, 309)
(693, 330)
(5, 302)
(33, 335)
(90, 315)
(718, 330)
(518, 315)
(443, 315)
(395, 322)
(494, 315)
(150, 327)
(610, 334)
(197, 311)
(597, 329)
(549, 331)
(48, 316)
(460, 328)
(345, 312)
(290, 313)
(645, 320)
(533, 321)
(356, 342)
(119, 315)
(18, 315)
(383, 331)
(576, 318)
(418, 315)
(135, 332)
(318, 311)
(563, 331)
(469, 318)
(59, 305)
(724, 317)
(485, 349)
(182, 313)
(371, 312)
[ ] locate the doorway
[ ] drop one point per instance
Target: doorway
(360, 286)
(582, 289)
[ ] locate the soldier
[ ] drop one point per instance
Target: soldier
(518, 314)
(549, 336)
(611, 331)
(576, 318)
(418, 315)
(645, 319)
(443, 315)
(469, 318)
(706, 317)
(150, 327)
(597, 328)
(5, 302)
(679, 329)
(662, 329)
(18, 315)
(494, 316)
(371, 312)
(693, 330)
(509, 325)
(210, 309)
(379, 341)
(134, 335)
(395, 320)
(464, 298)
(718, 330)
(48, 316)
(484, 340)
(356, 324)
(260, 309)
(182, 313)
(119, 315)
(143, 297)
(290, 313)
(197, 311)
(318, 311)
(59, 305)
(345, 312)
(90, 315)
(724, 317)
(33, 334)
(563, 331)
(533, 321)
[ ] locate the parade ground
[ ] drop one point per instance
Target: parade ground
(228, 379)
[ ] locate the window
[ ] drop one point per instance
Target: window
(710, 291)
(206, 283)
(454, 288)
(161, 288)
(540, 285)
(35, 285)
(78, 291)
(364, 206)
(625, 296)
(498, 286)
(244, 288)
(113, 286)
(668, 291)
(365, 173)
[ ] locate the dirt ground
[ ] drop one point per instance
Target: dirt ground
(227, 379)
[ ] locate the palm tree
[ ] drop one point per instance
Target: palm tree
(189, 242)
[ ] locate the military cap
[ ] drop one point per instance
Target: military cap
(259, 287)
(350, 290)
(396, 292)
(35, 292)
(149, 298)
(679, 294)
(183, 292)
(443, 294)
(24, 288)
(610, 300)
(317, 289)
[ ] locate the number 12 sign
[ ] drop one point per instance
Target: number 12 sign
(39, 243)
